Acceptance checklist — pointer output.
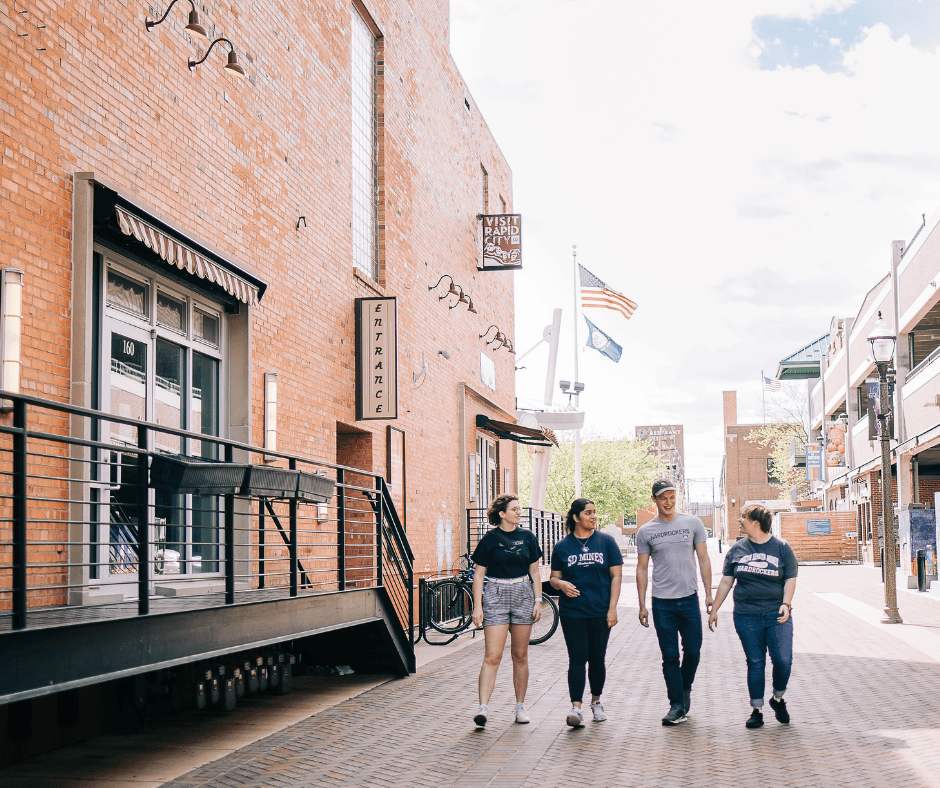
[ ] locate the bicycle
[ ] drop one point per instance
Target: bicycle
(449, 606)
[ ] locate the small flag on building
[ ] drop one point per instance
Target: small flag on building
(602, 343)
(594, 293)
(771, 385)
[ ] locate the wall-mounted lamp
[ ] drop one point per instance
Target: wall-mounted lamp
(498, 340)
(194, 27)
(270, 413)
(11, 318)
(454, 290)
(451, 291)
(233, 66)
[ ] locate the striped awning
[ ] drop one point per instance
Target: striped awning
(184, 258)
(516, 432)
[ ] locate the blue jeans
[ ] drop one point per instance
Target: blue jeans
(674, 618)
(761, 633)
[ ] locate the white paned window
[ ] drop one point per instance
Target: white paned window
(364, 145)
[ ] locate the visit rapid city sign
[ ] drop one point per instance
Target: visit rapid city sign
(502, 242)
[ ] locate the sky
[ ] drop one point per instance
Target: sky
(739, 169)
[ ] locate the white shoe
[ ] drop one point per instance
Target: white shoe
(521, 716)
(598, 711)
(479, 718)
(575, 718)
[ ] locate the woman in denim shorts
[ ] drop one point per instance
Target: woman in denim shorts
(507, 599)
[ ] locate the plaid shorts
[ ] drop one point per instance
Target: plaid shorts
(508, 603)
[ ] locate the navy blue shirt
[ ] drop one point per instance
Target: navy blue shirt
(589, 570)
(759, 572)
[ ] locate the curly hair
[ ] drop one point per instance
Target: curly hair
(578, 505)
(758, 514)
(499, 505)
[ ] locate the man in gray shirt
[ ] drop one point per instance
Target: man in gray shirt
(674, 540)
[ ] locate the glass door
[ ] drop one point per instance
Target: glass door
(127, 396)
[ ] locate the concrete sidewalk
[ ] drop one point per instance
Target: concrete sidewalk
(861, 698)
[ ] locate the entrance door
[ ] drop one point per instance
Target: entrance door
(487, 470)
(126, 394)
(162, 364)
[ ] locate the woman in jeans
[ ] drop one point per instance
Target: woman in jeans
(762, 568)
(586, 569)
(507, 599)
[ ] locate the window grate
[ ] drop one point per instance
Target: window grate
(365, 187)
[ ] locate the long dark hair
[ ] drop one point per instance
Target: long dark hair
(578, 505)
(500, 505)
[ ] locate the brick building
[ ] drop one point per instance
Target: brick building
(183, 231)
(745, 470)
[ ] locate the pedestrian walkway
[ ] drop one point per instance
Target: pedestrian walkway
(862, 699)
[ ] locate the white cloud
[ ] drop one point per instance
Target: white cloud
(651, 140)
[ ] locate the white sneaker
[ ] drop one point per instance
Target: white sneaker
(575, 718)
(598, 711)
(479, 718)
(521, 716)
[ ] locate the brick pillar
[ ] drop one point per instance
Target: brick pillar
(730, 407)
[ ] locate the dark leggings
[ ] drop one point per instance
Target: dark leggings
(586, 639)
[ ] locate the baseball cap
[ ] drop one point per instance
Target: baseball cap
(662, 485)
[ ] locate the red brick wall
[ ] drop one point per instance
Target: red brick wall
(745, 473)
(235, 163)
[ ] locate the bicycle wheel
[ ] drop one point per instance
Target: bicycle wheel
(545, 627)
(449, 606)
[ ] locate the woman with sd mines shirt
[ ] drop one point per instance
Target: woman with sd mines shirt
(586, 568)
(507, 599)
(762, 569)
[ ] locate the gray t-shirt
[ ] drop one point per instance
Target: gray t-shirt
(671, 546)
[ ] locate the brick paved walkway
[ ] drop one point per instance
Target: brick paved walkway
(863, 701)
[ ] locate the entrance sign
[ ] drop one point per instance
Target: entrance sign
(502, 242)
(376, 358)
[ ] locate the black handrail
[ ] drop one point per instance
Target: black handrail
(47, 475)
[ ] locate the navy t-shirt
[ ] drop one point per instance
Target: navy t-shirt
(759, 572)
(589, 570)
(507, 553)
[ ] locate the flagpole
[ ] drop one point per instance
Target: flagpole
(763, 398)
(576, 312)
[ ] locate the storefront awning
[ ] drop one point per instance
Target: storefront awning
(517, 433)
(181, 256)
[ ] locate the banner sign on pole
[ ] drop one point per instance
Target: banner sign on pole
(835, 444)
(873, 390)
(813, 462)
(502, 242)
(376, 358)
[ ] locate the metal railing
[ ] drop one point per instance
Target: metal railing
(85, 534)
(921, 366)
(549, 528)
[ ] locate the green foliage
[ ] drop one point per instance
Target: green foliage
(616, 473)
(777, 438)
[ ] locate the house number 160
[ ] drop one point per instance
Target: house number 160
(128, 348)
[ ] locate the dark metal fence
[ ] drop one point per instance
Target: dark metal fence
(549, 528)
(85, 533)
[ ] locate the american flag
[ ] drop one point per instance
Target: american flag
(594, 293)
(771, 385)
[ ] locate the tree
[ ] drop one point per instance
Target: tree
(616, 473)
(788, 422)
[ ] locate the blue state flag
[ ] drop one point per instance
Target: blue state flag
(602, 343)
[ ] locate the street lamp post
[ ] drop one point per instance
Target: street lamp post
(882, 350)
